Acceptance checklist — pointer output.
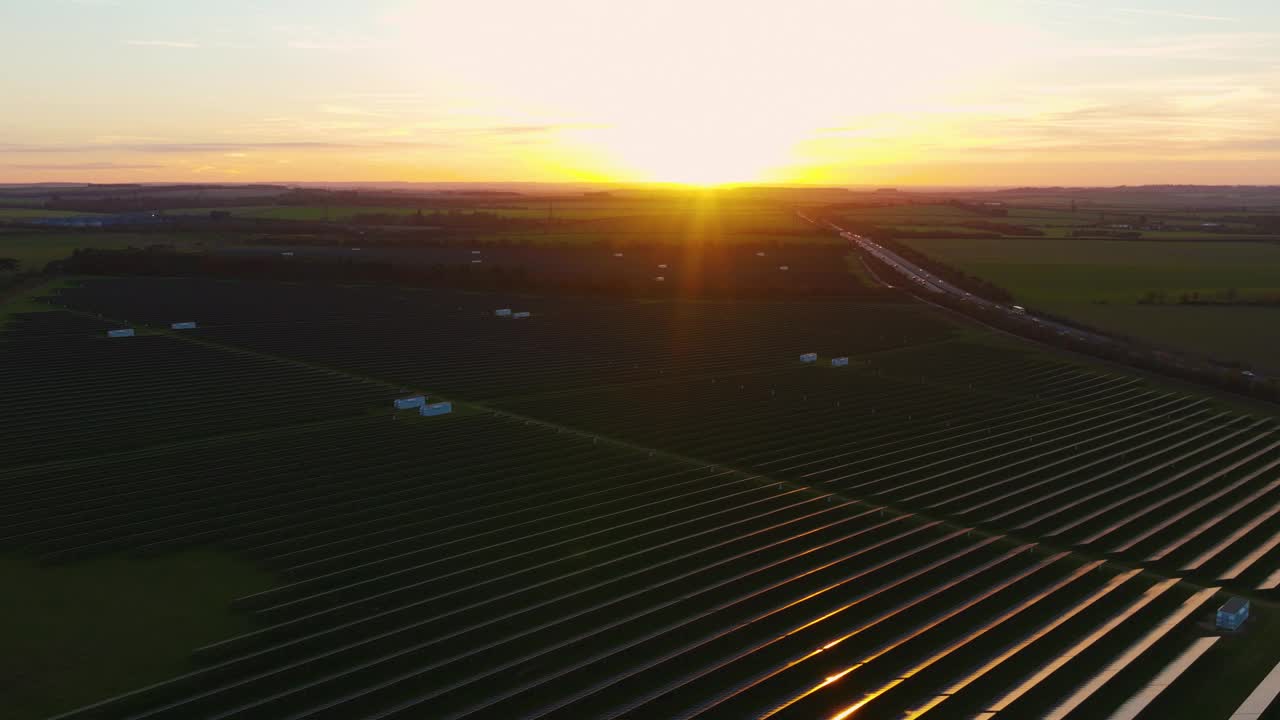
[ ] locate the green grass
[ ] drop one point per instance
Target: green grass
(22, 300)
(859, 270)
(621, 239)
(1052, 270)
(7, 213)
(35, 248)
(1240, 334)
(76, 634)
(300, 212)
(1099, 282)
(1215, 685)
(632, 214)
(911, 213)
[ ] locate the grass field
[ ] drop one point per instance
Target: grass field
(23, 299)
(589, 220)
(1046, 270)
(74, 634)
(1243, 334)
(35, 249)
(11, 213)
(1100, 282)
(299, 212)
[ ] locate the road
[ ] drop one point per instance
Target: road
(916, 276)
(923, 279)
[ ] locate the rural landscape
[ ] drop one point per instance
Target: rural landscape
(587, 361)
(643, 503)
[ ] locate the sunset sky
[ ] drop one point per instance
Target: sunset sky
(840, 92)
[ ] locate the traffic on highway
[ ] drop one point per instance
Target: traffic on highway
(923, 279)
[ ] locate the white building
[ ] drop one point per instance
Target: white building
(409, 403)
(120, 333)
(809, 357)
(440, 408)
(182, 326)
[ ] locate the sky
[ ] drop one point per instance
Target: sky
(827, 92)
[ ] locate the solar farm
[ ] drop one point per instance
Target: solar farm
(642, 509)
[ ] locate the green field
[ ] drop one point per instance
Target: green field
(571, 216)
(298, 212)
(1240, 334)
(1050, 270)
(12, 213)
(1100, 282)
(77, 633)
(35, 248)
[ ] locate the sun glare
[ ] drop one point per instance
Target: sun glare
(698, 148)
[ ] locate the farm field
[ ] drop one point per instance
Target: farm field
(337, 213)
(1100, 282)
(1230, 333)
(578, 221)
(76, 633)
(951, 525)
(35, 249)
(1055, 272)
(16, 213)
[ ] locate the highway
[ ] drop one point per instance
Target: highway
(924, 280)
(918, 277)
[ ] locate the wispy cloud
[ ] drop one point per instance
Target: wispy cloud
(213, 147)
(350, 110)
(84, 166)
(305, 37)
(162, 43)
(1176, 15)
(331, 45)
(528, 129)
(1237, 46)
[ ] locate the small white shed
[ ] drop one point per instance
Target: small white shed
(809, 357)
(839, 362)
(440, 408)
(120, 333)
(182, 326)
(408, 403)
(503, 312)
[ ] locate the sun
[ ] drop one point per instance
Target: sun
(703, 150)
